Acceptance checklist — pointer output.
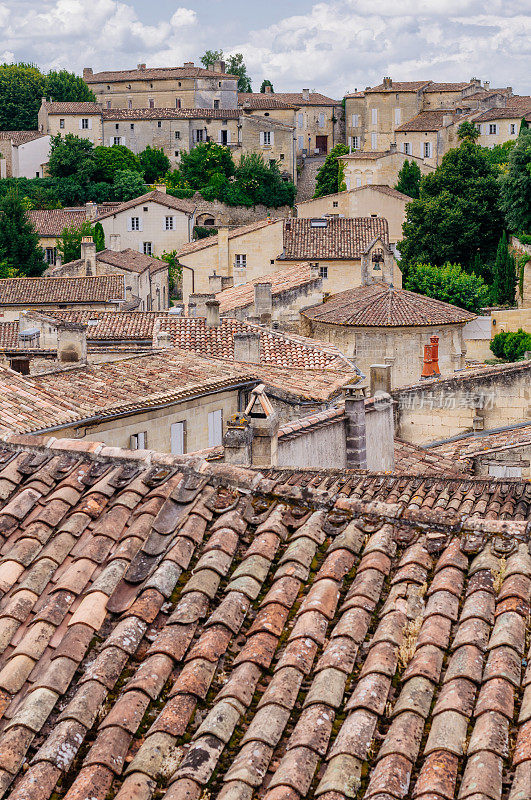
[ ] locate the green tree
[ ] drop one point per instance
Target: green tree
(327, 181)
(65, 86)
(128, 184)
(499, 155)
(69, 243)
(511, 345)
(262, 182)
(175, 269)
(504, 284)
(19, 242)
(236, 66)
(154, 163)
(210, 57)
(467, 130)
(515, 199)
(99, 237)
(457, 212)
(109, 161)
(409, 179)
(265, 83)
(449, 283)
(71, 156)
(203, 161)
(22, 87)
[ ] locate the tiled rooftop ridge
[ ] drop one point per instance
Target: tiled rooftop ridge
(205, 629)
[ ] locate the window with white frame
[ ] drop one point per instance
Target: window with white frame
(374, 116)
(152, 104)
(240, 261)
(321, 122)
(266, 138)
(199, 135)
(135, 224)
(177, 435)
(148, 248)
(355, 142)
(407, 148)
(177, 102)
(374, 141)
(493, 128)
(169, 223)
(427, 149)
(215, 428)
(108, 104)
(512, 128)
(116, 140)
(398, 115)
(85, 123)
(355, 120)
(358, 182)
(138, 441)
(323, 271)
(50, 254)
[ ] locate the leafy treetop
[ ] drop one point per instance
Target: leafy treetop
(449, 283)
(515, 199)
(328, 177)
(19, 242)
(467, 130)
(234, 64)
(409, 179)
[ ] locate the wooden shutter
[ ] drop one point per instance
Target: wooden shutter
(261, 138)
(177, 438)
(215, 426)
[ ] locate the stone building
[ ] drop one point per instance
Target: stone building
(364, 168)
(380, 324)
(50, 223)
(23, 154)
(152, 224)
(188, 86)
(80, 119)
(366, 201)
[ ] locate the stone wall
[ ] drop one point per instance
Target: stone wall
(437, 410)
(233, 216)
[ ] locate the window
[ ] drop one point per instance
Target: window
(427, 149)
(407, 148)
(145, 208)
(129, 104)
(116, 140)
(358, 182)
(374, 141)
(117, 127)
(176, 153)
(266, 138)
(335, 204)
(300, 120)
(138, 441)
(321, 122)
(493, 128)
(169, 223)
(152, 103)
(177, 134)
(136, 224)
(177, 438)
(512, 128)
(215, 428)
(398, 114)
(478, 126)
(199, 135)
(281, 156)
(323, 271)
(85, 124)
(159, 124)
(355, 120)
(374, 116)
(355, 142)
(216, 103)
(240, 261)
(108, 103)
(50, 255)
(132, 126)
(61, 123)
(177, 102)
(148, 249)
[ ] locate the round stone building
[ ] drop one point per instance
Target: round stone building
(378, 324)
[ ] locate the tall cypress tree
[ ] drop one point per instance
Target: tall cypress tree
(504, 285)
(19, 242)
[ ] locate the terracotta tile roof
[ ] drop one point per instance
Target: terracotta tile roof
(259, 100)
(316, 99)
(354, 94)
(342, 238)
(52, 221)
(400, 86)
(211, 241)
(380, 305)
(425, 121)
(72, 108)
(127, 259)
(169, 113)
(8, 335)
(135, 326)
(21, 137)
(485, 442)
(155, 73)
(410, 459)
(447, 87)
(33, 291)
(25, 407)
(511, 112)
(517, 101)
(311, 384)
(172, 628)
(186, 206)
(282, 281)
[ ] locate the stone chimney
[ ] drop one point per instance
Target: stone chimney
(161, 187)
(88, 255)
(141, 66)
(200, 301)
(355, 427)
(192, 310)
(314, 271)
(212, 314)
(114, 242)
(263, 302)
(486, 85)
(247, 347)
(447, 120)
(163, 339)
(71, 342)
(188, 64)
(219, 66)
(91, 210)
(380, 433)
(223, 250)
(251, 437)
(393, 148)
(87, 73)
(306, 95)
(238, 441)
(431, 359)
(380, 379)
(387, 83)
(215, 283)
(268, 89)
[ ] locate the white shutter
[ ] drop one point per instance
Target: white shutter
(215, 424)
(177, 438)
(129, 223)
(228, 137)
(141, 247)
(219, 136)
(122, 139)
(141, 224)
(90, 124)
(350, 141)
(80, 123)
(261, 138)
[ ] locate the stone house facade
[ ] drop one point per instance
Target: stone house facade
(364, 168)
(80, 119)
(188, 86)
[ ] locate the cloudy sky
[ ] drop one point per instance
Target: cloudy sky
(333, 46)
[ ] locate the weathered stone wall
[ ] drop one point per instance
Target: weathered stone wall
(319, 448)
(233, 216)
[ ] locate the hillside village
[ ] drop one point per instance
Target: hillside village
(265, 440)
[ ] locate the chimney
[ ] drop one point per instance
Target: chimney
(486, 85)
(200, 301)
(88, 255)
(87, 73)
(387, 83)
(238, 441)
(114, 242)
(215, 283)
(160, 187)
(355, 427)
(212, 314)
(223, 250)
(188, 64)
(306, 95)
(58, 260)
(247, 347)
(380, 379)
(393, 147)
(72, 342)
(431, 359)
(163, 339)
(263, 302)
(141, 66)
(219, 66)
(192, 310)
(447, 119)
(380, 433)
(314, 271)
(267, 89)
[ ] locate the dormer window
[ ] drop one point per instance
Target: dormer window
(318, 223)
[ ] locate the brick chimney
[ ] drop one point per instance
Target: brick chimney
(212, 314)
(247, 347)
(431, 359)
(88, 255)
(355, 427)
